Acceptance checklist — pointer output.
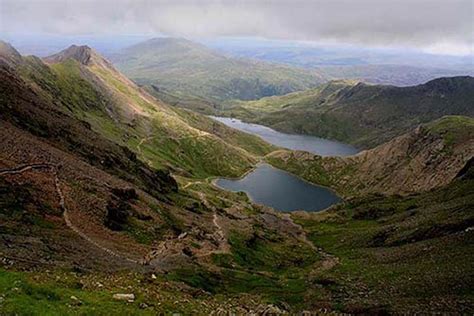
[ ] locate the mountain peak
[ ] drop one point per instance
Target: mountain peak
(83, 54)
(8, 53)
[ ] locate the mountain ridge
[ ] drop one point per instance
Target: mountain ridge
(359, 113)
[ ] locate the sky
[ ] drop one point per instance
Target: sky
(436, 26)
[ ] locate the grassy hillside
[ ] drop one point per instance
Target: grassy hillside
(428, 157)
(360, 114)
(159, 134)
(83, 218)
(186, 69)
(400, 254)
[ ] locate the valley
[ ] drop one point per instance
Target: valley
(112, 187)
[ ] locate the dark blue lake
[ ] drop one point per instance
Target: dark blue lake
(280, 190)
(315, 145)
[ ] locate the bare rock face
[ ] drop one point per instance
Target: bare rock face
(83, 54)
(417, 161)
(80, 53)
(9, 54)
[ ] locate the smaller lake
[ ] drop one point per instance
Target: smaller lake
(280, 190)
(312, 144)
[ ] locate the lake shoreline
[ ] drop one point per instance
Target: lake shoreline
(325, 192)
(303, 142)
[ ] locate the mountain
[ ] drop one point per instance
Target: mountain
(376, 66)
(391, 74)
(407, 213)
(91, 207)
(156, 131)
(185, 68)
(429, 157)
(107, 205)
(358, 113)
(395, 248)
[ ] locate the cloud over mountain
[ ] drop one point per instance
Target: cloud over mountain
(439, 25)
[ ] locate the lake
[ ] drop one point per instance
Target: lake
(280, 190)
(312, 144)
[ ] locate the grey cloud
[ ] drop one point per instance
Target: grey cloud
(417, 23)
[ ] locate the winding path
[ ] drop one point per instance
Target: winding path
(62, 205)
(329, 260)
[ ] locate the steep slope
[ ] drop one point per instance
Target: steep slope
(428, 157)
(185, 68)
(400, 254)
(83, 218)
(126, 114)
(361, 114)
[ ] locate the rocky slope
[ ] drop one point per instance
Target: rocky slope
(87, 86)
(84, 215)
(401, 254)
(104, 206)
(358, 113)
(428, 157)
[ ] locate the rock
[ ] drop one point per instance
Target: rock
(272, 310)
(188, 252)
(124, 297)
(143, 305)
(75, 301)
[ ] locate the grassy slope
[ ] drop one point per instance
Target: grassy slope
(360, 114)
(404, 254)
(169, 140)
(437, 151)
(63, 265)
(186, 68)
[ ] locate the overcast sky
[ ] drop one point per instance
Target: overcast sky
(443, 26)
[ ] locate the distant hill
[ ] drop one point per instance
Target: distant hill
(398, 75)
(377, 66)
(186, 68)
(358, 113)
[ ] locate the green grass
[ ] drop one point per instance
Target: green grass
(453, 129)
(22, 295)
(263, 264)
(398, 250)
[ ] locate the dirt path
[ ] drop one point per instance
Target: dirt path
(329, 261)
(139, 149)
(25, 168)
(191, 183)
(62, 205)
(219, 231)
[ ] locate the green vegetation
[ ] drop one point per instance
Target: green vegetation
(453, 129)
(160, 135)
(357, 113)
(261, 263)
(183, 69)
(401, 253)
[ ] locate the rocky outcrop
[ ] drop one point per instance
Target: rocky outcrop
(428, 157)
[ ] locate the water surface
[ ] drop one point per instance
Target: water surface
(280, 190)
(312, 144)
